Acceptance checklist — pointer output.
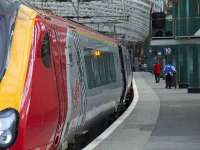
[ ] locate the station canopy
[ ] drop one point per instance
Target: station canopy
(124, 19)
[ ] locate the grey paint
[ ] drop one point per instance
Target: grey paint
(164, 119)
(134, 133)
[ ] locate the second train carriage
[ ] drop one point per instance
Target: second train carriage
(57, 78)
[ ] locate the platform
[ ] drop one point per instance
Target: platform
(163, 119)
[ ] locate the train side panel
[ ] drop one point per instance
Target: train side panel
(95, 82)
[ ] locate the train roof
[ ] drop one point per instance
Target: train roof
(60, 21)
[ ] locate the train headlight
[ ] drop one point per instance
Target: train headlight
(8, 127)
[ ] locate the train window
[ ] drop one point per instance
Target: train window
(7, 25)
(100, 71)
(45, 52)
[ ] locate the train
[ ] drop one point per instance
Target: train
(57, 77)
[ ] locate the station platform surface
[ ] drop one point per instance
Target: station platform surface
(163, 119)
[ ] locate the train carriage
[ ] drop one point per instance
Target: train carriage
(57, 78)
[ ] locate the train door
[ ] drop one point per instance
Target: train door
(44, 105)
(77, 81)
(123, 73)
(127, 65)
(59, 64)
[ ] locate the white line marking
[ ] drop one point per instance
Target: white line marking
(116, 124)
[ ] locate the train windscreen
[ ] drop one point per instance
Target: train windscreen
(8, 12)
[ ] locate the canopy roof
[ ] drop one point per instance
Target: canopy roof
(127, 19)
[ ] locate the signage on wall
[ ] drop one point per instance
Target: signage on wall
(168, 51)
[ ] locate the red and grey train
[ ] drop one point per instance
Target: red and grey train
(57, 77)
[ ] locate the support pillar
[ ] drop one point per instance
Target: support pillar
(184, 67)
(195, 79)
(192, 10)
(190, 64)
(177, 57)
(185, 25)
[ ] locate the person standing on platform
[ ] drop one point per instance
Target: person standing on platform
(156, 70)
(170, 75)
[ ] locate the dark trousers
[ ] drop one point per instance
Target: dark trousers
(157, 77)
(168, 81)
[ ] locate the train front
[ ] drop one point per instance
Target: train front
(16, 32)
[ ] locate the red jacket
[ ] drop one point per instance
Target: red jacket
(156, 68)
